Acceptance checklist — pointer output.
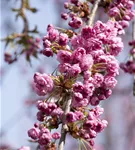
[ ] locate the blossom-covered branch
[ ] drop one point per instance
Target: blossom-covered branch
(85, 76)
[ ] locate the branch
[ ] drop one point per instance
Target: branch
(133, 36)
(133, 29)
(64, 128)
(93, 12)
(26, 24)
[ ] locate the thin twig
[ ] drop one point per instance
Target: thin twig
(133, 36)
(64, 128)
(25, 20)
(93, 12)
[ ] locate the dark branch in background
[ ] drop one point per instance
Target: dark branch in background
(25, 5)
(25, 42)
(26, 25)
(133, 28)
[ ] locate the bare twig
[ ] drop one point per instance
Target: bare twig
(25, 20)
(133, 29)
(93, 12)
(64, 128)
(133, 36)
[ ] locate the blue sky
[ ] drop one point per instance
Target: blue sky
(14, 87)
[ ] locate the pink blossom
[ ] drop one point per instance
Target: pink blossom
(129, 4)
(64, 68)
(98, 111)
(92, 134)
(116, 46)
(53, 34)
(46, 43)
(124, 23)
(44, 83)
(88, 89)
(112, 65)
(64, 16)
(66, 4)
(94, 101)
(63, 39)
(78, 54)
(57, 112)
(24, 148)
(87, 75)
(101, 125)
(77, 96)
(44, 138)
(33, 133)
(98, 79)
(64, 56)
(41, 105)
(74, 1)
(47, 52)
(50, 27)
(110, 82)
(108, 93)
(87, 32)
(71, 117)
(114, 12)
(78, 87)
(76, 41)
(40, 116)
(76, 22)
(86, 62)
(56, 135)
(79, 115)
(74, 70)
(83, 103)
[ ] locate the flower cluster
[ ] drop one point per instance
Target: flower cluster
(86, 126)
(129, 66)
(43, 83)
(86, 75)
(48, 109)
(87, 70)
(32, 47)
(122, 11)
(29, 47)
(78, 12)
(43, 135)
(49, 114)
(93, 59)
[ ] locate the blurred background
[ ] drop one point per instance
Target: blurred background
(18, 111)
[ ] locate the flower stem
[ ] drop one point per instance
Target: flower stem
(93, 12)
(133, 36)
(64, 128)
